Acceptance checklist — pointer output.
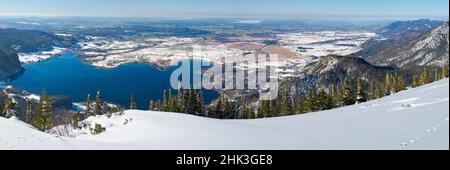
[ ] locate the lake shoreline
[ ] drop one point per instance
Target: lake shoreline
(69, 75)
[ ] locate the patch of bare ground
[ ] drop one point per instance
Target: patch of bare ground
(282, 52)
(246, 46)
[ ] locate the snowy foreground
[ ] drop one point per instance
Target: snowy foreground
(413, 119)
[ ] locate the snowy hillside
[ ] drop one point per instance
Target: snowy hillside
(413, 119)
(430, 48)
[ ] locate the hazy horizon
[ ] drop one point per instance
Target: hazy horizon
(245, 9)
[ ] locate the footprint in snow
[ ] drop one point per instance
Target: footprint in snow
(406, 105)
(427, 132)
(403, 145)
(432, 129)
(10, 146)
(402, 107)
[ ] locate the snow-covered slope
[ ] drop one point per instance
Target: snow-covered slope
(414, 119)
(429, 49)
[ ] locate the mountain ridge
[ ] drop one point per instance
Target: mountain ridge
(9, 63)
(394, 34)
(429, 49)
(334, 69)
(13, 41)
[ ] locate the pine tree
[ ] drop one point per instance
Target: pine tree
(380, 90)
(361, 92)
(437, 74)
(186, 102)
(44, 113)
(288, 105)
(264, 109)
(8, 108)
(227, 108)
(192, 102)
(445, 71)
(324, 101)
(199, 107)
(248, 112)
(278, 105)
(88, 111)
(171, 103)
(74, 119)
(337, 95)
(394, 83)
(181, 102)
(300, 106)
(217, 111)
(425, 78)
(47, 112)
(312, 101)
(38, 120)
(284, 104)
(321, 99)
(164, 105)
(373, 91)
(222, 108)
(1, 110)
(388, 85)
(349, 97)
(154, 106)
(415, 82)
(28, 111)
(400, 83)
(98, 105)
(132, 103)
(330, 102)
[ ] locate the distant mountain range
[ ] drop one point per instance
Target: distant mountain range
(406, 47)
(27, 40)
(394, 34)
(428, 49)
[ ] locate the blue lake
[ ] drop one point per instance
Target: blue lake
(67, 75)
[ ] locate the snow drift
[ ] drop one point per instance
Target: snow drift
(414, 119)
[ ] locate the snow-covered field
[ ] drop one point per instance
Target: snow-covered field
(413, 119)
(325, 43)
(40, 56)
(159, 51)
(111, 53)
